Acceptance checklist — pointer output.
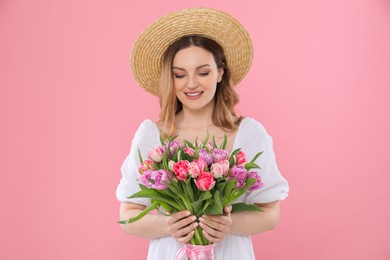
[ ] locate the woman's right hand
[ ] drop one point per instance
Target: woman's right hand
(181, 226)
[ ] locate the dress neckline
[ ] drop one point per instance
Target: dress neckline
(234, 147)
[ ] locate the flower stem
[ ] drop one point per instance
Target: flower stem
(198, 237)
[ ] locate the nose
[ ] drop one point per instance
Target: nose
(192, 82)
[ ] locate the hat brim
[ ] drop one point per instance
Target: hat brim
(151, 45)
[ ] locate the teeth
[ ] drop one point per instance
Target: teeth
(193, 94)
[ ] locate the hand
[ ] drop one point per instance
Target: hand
(181, 226)
(216, 227)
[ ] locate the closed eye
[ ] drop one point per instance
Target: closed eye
(204, 74)
(179, 76)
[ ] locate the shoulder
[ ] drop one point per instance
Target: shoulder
(146, 130)
(147, 124)
(251, 126)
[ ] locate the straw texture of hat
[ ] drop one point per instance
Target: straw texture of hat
(150, 46)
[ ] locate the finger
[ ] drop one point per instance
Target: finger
(209, 224)
(177, 216)
(186, 238)
(210, 238)
(185, 230)
(228, 209)
(217, 219)
(215, 232)
(182, 223)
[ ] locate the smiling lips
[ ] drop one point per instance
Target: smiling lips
(193, 94)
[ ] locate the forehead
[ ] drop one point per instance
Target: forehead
(193, 55)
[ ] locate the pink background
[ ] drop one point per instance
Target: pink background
(69, 108)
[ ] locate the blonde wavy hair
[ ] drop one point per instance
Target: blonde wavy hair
(225, 97)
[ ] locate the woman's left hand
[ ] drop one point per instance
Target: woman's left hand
(216, 227)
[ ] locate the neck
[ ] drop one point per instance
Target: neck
(201, 118)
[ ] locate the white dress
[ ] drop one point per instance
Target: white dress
(252, 138)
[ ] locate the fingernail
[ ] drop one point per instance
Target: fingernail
(193, 218)
(201, 219)
(195, 224)
(188, 213)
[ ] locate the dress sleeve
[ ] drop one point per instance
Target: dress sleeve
(256, 139)
(146, 137)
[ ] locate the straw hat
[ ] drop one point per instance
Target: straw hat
(150, 46)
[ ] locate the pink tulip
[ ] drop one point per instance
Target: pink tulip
(146, 165)
(189, 151)
(216, 170)
(201, 164)
(193, 170)
(241, 158)
(181, 169)
(156, 154)
(225, 167)
(170, 165)
(205, 181)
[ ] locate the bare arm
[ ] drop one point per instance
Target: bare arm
(251, 223)
(241, 223)
(156, 225)
(150, 226)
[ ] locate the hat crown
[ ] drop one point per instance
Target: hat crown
(151, 45)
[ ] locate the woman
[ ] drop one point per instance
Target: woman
(203, 54)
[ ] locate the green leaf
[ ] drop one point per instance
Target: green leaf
(196, 152)
(168, 150)
(188, 187)
(154, 194)
(223, 146)
(256, 156)
(204, 142)
(229, 187)
(189, 144)
(221, 186)
(251, 165)
(140, 156)
(231, 158)
(166, 207)
(211, 210)
(206, 205)
(218, 202)
(235, 195)
(214, 142)
(173, 186)
(162, 141)
(204, 199)
(153, 206)
(238, 207)
(173, 138)
(205, 196)
(180, 153)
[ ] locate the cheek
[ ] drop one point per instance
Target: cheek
(178, 84)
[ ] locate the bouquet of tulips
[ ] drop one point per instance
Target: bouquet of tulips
(200, 177)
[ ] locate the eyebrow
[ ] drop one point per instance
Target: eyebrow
(201, 66)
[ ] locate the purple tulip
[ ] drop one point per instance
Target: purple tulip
(155, 179)
(159, 178)
(219, 155)
(205, 156)
(240, 174)
(258, 183)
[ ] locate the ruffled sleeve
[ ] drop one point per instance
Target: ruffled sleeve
(146, 138)
(253, 138)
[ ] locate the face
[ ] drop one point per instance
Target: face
(195, 77)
